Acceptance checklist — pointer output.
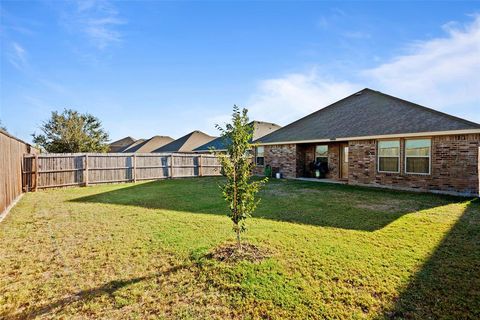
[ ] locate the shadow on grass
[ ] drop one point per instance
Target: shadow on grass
(107, 289)
(448, 286)
(338, 206)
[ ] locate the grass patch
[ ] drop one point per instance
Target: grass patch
(334, 251)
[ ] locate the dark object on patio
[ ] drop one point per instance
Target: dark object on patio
(275, 170)
(267, 171)
(319, 169)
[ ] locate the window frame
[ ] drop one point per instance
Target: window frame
(429, 157)
(256, 156)
(315, 152)
(399, 156)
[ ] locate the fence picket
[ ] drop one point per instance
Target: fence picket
(81, 169)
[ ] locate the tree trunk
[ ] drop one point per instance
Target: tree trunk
(239, 244)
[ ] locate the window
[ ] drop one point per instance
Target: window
(389, 156)
(321, 154)
(417, 156)
(260, 159)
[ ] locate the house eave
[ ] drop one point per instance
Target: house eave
(385, 136)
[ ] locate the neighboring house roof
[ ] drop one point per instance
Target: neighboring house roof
(217, 144)
(117, 146)
(149, 145)
(367, 113)
(131, 147)
(186, 143)
(260, 129)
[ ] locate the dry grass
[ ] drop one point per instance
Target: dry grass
(142, 251)
(230, 253)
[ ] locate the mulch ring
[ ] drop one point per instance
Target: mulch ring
(229, 252)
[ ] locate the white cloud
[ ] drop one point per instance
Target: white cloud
(17, 56)
(443, 73)
(98, 20)
(287, 98)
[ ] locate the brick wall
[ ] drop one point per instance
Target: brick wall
(333, 161)
(455, 164)
(283, 157)
(454, 167)
(361, 161)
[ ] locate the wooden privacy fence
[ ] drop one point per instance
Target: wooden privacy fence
(83, 169)
(12, 151)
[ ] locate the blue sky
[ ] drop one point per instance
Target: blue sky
(167, 68)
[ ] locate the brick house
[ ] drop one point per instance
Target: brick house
(371, 138)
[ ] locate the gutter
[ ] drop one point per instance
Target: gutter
(385, 136)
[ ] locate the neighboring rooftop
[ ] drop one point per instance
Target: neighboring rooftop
(186, 143)
(367, 113)
(117, 146)
(130, 147)
(149, 145)
(260, 129)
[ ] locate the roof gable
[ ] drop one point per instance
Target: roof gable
(133, 146)
(149, 145)
(260, 129)
(186, 143)
(118, 145)
(367, 113)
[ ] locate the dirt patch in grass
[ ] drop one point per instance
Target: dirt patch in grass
(230, 253)
(390, 205)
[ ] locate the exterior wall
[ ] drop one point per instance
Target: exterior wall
(282, 158)
(454, 166)
(333, 161)
(362, 161)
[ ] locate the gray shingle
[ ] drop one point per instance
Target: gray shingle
(186, 143)
(149, 145)
(117, 146)
(367, 113)
(260, 129)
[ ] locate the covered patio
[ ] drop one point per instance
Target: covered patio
(326, 160)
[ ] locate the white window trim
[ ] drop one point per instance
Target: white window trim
(256, 157)
(399, 156)
(429, 158)
(326, 156)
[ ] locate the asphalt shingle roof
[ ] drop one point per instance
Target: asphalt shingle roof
(149, 145)
(186, 143)
(367, 113)
(132, 146)
(260, 129)
(117, 146)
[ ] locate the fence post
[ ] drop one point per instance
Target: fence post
(134, 173)
(86, 170)
(200, 163)
(36, 172)
(24, 175)
(171, 165)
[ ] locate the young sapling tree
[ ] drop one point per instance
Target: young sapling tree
(240, 189)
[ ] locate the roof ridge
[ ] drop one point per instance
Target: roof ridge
(313, 113)
(431, 119)
(424, 108)
(259, 121)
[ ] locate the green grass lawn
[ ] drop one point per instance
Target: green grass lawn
(139, 251)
